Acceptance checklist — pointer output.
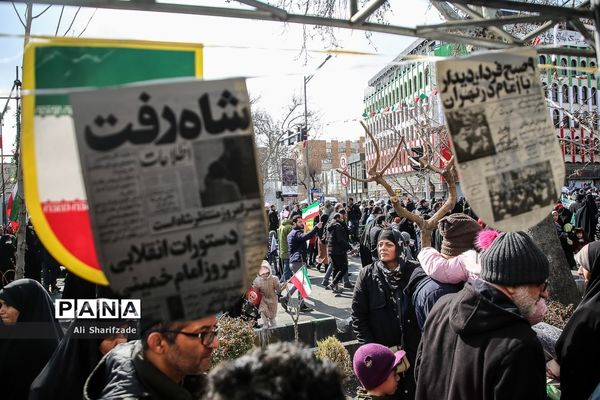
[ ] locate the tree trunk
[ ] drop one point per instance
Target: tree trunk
(561, 286)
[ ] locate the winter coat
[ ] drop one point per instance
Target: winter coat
(376, 320)
(282, 234)
(269, 287)
(297, 244)
(273, 220)
(454, 270)
(577, 348)
(426, 292)
(476, 345)
(337, 239)
(354, 213)
(123, 373)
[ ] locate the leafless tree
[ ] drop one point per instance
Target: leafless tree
(377, 171)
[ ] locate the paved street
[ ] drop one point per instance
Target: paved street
(325, 302)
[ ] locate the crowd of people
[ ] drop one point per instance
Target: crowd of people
(448, 321)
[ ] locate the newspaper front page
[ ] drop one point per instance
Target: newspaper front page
(507, 155)
(175, 200)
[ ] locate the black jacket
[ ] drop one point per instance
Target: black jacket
(273, 220)
(376, 320)
(354, 213)
(477, 346)
(337, 239)
(124, 374)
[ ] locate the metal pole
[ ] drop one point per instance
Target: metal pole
(306, 145)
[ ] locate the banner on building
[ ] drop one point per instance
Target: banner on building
(56, 197)
(507, 156)
(289, 177)
(173, 190)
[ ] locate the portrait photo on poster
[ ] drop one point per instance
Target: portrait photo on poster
(471, 134)
(520, 190)
(229, 170)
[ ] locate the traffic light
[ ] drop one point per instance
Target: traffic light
(303, 133)
(290, 138)
(414, 160)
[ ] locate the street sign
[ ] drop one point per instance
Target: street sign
(343, 162)
(344, 180)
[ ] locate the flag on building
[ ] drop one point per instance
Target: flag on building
(536, 41)
(311, 211)
(301, 281)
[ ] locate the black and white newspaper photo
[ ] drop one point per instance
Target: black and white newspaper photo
(508, 159)
(175, 199)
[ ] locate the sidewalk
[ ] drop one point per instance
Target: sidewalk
(324, 302)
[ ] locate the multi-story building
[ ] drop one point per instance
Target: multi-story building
(324, 156)
(574, 106)
(399, 99)
(404, 92)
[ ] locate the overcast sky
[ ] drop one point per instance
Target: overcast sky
(235, 47)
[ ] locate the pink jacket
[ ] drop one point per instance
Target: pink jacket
(462, 268)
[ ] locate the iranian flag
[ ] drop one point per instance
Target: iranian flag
(301, 281)
(12, 212)
(311, 211)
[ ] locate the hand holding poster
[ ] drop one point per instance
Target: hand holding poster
(175, 201)
(507, 156)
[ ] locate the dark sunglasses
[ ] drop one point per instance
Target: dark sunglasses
(206, 337)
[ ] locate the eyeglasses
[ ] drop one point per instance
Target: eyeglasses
(206, 337)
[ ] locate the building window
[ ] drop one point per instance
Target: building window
(554, 92)
(542, 59)
(575, 94)
(574, 66)
(420, 80)
(594, 100)
(545, 89)
(563, 64)
(583, 73)
(555, 117)
(565, 93)
(426, 76)
(584, 94)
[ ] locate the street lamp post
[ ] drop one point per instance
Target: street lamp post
(306, 80)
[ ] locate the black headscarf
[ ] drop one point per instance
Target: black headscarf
(22, 357)
(65, 374)
(578, 346)
(587, 216)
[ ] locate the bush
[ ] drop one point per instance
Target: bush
(236, 338)
(333, 350)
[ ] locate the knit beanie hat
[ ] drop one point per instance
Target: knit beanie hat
(458, 232)
(373, 363)
(513, 260)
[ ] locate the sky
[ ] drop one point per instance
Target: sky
(266, 53)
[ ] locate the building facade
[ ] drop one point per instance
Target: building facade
(402, 99)
(323, 160)
(401, 102)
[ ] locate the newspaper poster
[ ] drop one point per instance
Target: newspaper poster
(175, 200)
(507, 156)
(289, 177)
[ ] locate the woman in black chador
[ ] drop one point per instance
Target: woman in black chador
(30, 334)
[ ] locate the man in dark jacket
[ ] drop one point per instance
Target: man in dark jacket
(167, 363)
(381, 308)
(354, 215)
(273, 218)
(298, 251)
(478, 343)
(337, 248)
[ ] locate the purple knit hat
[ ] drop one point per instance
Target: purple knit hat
(373, 363)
